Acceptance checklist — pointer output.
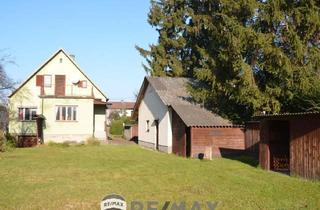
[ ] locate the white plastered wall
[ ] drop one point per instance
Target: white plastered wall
(152, 108)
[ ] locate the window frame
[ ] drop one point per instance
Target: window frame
(147, 126)
(84, 83)
(44, 80)
(32, 117)
(64, 114)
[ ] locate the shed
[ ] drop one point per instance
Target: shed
(290, 143)
(170, 121)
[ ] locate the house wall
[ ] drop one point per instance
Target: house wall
(152, 108)
(216, 142)
(305, 148)
(99, 121)
(28, 96)
(60, 131)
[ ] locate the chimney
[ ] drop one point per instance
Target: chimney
(73, 57)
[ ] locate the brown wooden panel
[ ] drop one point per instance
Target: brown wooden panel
(60, 86)
(264, 155)
(217, 141)
(178, 135)
(252, 137)
(305, 148)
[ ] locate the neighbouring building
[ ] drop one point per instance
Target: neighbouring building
(290, 143)
(59, 92)
(169, 121)
(123, 108)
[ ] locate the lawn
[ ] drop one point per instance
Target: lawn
(78, 177)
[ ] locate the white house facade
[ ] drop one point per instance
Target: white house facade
(154, 120)
(59, 91)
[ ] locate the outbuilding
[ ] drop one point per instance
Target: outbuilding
(170, 121)
(290, 143)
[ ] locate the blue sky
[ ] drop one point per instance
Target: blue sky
(101, 33)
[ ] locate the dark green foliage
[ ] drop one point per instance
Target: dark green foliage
(116, 127)
(248, 56)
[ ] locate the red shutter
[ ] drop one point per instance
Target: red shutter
(39, 81)
(80, 84)
(60, 85)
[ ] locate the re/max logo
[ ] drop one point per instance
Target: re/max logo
(168, 205)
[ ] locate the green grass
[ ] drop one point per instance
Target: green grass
(79, 177)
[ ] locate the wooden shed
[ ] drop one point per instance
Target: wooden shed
(290, 143)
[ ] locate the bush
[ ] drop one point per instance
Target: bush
(116, 127)
(92, 141)
(11, 141)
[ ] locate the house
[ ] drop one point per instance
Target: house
(290, 143)
(169, 121)
(66, 102)
(123, 108)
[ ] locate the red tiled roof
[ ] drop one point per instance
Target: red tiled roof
(122, 105)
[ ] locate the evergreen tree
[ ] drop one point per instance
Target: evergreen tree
(248, 56)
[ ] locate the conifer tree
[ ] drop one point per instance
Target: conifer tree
(248, 56)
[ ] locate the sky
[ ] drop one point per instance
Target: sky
(102, 34)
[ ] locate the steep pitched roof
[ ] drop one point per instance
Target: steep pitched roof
(173, 93)
(46, 62)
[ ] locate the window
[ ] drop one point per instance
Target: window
(27, 114)
(147, 126)
(66, 113)
(84, 83)
(47, 80)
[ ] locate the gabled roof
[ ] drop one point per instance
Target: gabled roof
(173, 93)
(46, 62)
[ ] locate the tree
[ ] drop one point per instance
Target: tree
(6, 84)
(246, 56)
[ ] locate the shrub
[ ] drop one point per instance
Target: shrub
(92, 141)
(116, 127)
(11, 141)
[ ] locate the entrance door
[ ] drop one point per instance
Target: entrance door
(60, 86)
(157, 133)
(279, 146)
(188, 142)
